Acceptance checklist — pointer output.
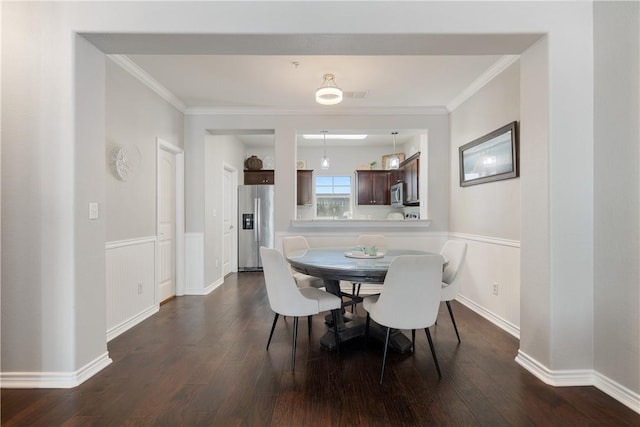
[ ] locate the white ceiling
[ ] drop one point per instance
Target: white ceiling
(281, 72)
(275, 81)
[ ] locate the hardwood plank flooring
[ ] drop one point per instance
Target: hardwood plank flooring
(202, 361)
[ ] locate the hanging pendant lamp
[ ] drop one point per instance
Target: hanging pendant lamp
(394, 161)
(329, 93)
(324, 161)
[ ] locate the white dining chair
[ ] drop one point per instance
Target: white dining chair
(289, 300)
(409, 299)
(453, 252)
(295, 243)
(367, 240)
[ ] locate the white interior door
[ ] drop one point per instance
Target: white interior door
(167, 225)
(228, 221)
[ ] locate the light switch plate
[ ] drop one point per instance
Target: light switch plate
(94, 212)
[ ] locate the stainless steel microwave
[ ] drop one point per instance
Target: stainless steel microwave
(397, 195)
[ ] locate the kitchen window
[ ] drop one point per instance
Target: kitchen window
(333, 197)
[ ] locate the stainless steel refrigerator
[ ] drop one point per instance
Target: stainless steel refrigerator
(255, 220)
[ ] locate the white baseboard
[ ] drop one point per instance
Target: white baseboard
(580, 377)
(490, 316)
(130, 323)
(617, 391)
(564, 378)
(206, 290)
(55, 379)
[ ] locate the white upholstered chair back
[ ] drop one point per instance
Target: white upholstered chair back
(411, 292)
(283, 294)
(295, 243)
(454, 252)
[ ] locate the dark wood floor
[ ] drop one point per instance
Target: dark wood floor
(202, 361)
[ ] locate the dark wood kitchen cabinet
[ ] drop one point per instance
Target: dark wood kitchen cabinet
(259, 177)
(372, 187)
(411, 169)
(304, 187)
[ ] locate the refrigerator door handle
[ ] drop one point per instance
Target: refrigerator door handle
(258, 221)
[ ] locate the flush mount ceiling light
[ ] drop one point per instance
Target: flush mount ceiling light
(394, 161)
(324, 161)
(329, 93)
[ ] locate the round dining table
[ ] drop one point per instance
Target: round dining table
(353, 265)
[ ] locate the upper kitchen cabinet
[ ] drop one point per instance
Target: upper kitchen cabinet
(372, 187)
(304, 187)
(411, 170)
(259, 177)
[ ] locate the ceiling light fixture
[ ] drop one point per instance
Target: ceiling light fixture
(394, 161)
(324, 161)
(329, 93)
(333, 136)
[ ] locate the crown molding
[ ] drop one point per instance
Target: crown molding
(133, 69)
(314, 111)
(500, 65)
(497, 68)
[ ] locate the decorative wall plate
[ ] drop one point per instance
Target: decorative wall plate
(301, 164)
(124, 162)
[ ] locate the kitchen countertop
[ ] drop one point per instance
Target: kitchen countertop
(361, 223)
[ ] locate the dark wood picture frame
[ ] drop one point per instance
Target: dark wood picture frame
(492, 157)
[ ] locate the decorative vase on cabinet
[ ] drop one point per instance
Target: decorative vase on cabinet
(253, 163)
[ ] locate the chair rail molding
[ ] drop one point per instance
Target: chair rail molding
(486, 239)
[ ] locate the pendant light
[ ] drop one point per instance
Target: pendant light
(329, 93)
(394, 161)
(324, 161)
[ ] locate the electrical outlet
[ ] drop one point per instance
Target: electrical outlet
(216, 262)
(495, 288)
(139, 288)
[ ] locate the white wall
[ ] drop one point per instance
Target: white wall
(490, 209)
(135, 116)
(204, 168)
(617, 192)
(286, 127)
(219, 150)
(487, 215)
(39, 197)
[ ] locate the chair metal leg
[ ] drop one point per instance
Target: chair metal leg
(433, 351)
(453, 319)
(413, 340)
(309, 325)
(295, 335)
(275, 320)
(384, 357)
(334, 316)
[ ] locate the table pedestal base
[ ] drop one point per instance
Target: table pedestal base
(354, 327)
